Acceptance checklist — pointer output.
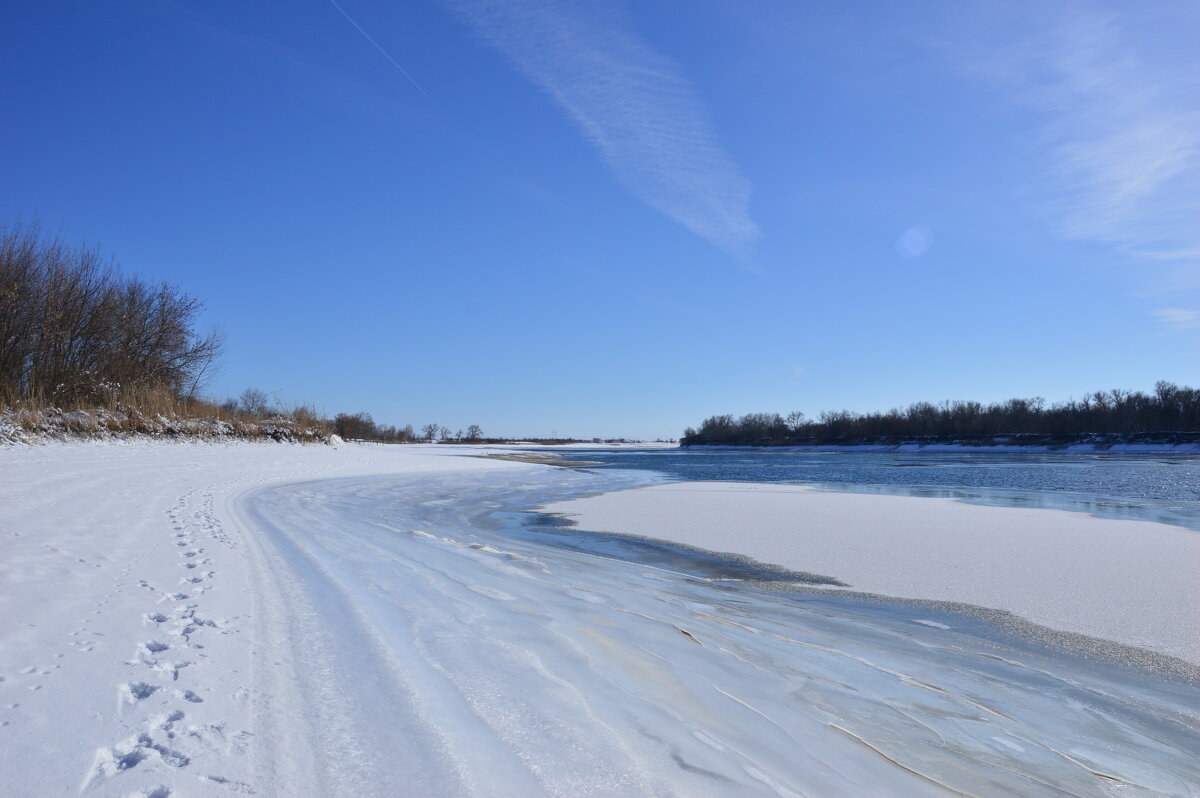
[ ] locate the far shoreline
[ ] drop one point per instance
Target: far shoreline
(1147, 443)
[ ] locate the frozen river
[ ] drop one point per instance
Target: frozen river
(522, 667)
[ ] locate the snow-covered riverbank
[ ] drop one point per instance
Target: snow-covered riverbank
(126, 592)
(190, 619)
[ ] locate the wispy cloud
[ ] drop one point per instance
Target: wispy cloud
(1179, 319)
(1121, 133)
(631, 102)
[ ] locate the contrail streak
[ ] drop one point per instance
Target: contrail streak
(386, 55)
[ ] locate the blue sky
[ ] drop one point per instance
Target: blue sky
(596, 218)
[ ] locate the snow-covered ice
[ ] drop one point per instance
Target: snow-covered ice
(189, 619)
(1133, 582)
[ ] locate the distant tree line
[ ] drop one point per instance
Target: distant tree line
(257, 404)
(360, 426)
(1169, 409)
(73, 329)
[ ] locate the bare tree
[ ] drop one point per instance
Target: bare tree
(795, 422)
(73, 329)
(429, 432)
(474, 432)
(255, 402)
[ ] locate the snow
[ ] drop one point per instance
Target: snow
(192, 619)
(124, 587)
(1133, 582)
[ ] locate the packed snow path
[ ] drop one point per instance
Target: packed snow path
(128, 658)
(303, 621)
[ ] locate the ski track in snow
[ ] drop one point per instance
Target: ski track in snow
(199, 620)
(127, 648)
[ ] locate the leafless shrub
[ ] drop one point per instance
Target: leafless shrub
(74, 331)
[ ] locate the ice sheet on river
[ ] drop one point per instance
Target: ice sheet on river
(414, 637)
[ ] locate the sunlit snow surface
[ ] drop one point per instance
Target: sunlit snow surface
(428, 640)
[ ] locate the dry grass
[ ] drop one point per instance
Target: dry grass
(156, 413)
